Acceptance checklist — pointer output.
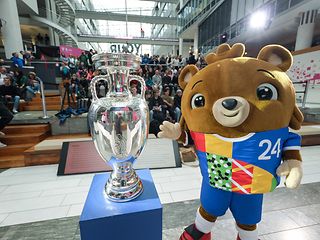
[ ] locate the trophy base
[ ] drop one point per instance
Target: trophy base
(123, 194)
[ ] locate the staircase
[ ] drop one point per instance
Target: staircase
(18, 139)
(62, 21)
(53, 102)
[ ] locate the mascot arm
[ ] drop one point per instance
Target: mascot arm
(174, 132)
(170, 130)
(291, 167)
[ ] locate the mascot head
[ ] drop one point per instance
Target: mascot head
(236, 95)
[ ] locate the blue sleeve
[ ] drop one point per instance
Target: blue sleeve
(293, 142)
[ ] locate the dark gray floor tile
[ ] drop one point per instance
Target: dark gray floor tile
(58, 229)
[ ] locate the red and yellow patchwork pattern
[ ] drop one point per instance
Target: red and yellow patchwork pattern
(247, 178)
(240, 177)
(211, 144)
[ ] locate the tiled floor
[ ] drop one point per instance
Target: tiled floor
(36, 204)
(34, 194)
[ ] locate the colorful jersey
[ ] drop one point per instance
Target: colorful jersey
(245, 165)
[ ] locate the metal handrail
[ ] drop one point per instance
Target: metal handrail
(43, 100)
(305, 92)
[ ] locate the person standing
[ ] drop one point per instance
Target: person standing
(177, 105)
(16, 61)
(83, 59)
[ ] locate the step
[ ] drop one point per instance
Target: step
(12, 161)
(48, 100)
(15, 149)
(30, 128)
(13, 139)
(39, 108)
(42, 157)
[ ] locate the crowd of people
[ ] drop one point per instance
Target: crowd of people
(14, 85)
(160, 73)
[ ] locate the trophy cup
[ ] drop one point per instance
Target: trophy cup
(119, 123)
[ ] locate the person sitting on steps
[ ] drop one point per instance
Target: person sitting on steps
(10, 93)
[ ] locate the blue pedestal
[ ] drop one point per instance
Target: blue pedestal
(139, 219)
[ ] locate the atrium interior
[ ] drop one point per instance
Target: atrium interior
(89, 87)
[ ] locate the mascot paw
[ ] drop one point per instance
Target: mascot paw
(292, 169)
(170, 130)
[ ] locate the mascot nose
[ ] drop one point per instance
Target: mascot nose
(229, 103)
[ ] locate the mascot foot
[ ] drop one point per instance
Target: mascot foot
(192, 233)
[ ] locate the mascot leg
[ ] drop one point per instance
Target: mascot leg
(201, 229)
(247, 211)
(247, 232)
(214, 203)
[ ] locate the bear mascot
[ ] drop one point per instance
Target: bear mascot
(237, 112)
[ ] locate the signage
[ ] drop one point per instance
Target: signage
(128, 47)
(67, 51)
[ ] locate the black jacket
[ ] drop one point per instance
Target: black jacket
(9, 90)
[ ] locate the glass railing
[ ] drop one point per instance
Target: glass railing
(133, 11)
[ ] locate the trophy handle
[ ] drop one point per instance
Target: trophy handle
(93, 85)
(142, 82)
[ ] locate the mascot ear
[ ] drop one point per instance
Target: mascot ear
(276, 55)
(225, 51)
(186, 74)
(296, 119)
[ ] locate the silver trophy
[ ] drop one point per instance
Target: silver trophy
(119, 123)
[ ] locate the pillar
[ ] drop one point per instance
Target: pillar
(11, 33)
(174, 52)
(180, 46)
(195, 43)
(305, 30)
(49, 17)
(54, 19)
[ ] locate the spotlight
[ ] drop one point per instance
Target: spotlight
(258, 20)
(223, 38)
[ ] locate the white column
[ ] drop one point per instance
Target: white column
(180, 46)
(54, 19)
(196, 43)
(11, 34)
(305, 30)
(49, 17)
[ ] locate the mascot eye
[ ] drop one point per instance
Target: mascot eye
(267, 91)
(197, 101)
